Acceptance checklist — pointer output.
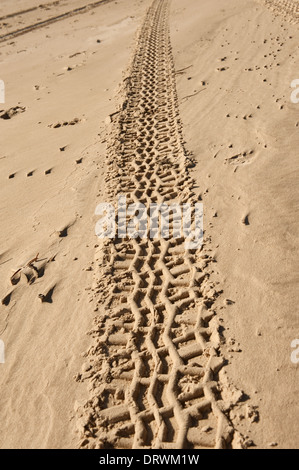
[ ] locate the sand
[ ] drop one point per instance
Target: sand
(140, 343)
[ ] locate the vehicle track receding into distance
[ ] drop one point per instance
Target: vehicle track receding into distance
(54, 19)
(287, 8)
(152, 368)
(44, 6)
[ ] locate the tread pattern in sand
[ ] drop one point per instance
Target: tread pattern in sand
(152, 369)
(289, 9)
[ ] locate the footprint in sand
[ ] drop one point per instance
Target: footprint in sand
(73, 122)
(240, 158)
(10, 113)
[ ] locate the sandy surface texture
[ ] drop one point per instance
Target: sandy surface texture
(143, 341)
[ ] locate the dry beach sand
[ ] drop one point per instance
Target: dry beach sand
(140, 343)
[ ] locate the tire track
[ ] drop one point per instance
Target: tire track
(289, 9)
(54, 19)
(30, 10)
(152, 368)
